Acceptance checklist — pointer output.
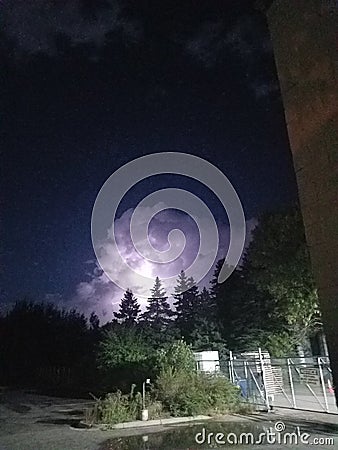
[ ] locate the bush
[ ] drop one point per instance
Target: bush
(121, 347)
(155, 409)
(177, 355)
(115, 408)
(124, 358)
(118, 408)
(185, 393)
(178, 390)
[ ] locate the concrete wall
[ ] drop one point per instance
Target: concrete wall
(305, 48)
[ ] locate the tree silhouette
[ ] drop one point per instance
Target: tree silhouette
(277, 265)
(271, 300)
(129, 309)
(37, 336)
(94, 321)
(187, 304)
(158, 311)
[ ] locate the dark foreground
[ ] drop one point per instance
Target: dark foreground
(35, 422)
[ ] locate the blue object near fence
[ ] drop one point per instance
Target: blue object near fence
(243, 385)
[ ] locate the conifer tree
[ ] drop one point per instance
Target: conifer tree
(186, 304)
(129, 309)
(158, 310)
(206, 332)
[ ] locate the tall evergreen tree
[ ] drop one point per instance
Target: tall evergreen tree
(187, 304)
(129, 309)
(206, 331)
(207, 304)
(183, 283)
(94, 321)
(229, 298)
(158, 310)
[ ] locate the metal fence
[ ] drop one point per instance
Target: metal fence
(300, 383)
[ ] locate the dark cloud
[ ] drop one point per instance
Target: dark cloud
(33, 25)
(207, 44)
(214, 42)
(246, 39)
(262, 89)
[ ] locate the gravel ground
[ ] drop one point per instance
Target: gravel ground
(39, 422)
(36, 422)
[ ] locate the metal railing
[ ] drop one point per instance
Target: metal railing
(299, 383)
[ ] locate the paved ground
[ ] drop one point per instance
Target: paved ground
(308, 398)
(35, 422)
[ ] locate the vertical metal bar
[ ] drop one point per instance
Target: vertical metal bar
(315, 395)
(247, 378)
(324, 344)
(231, 368)
(291, 385)
(323, 383)
(144, 395)
(264, 378)
(261, 393)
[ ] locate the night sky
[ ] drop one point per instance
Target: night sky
(87, 86)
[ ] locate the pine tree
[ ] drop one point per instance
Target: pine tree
(206, 333)
(183, 283)
(207, 303)
(129, 309)
(158, 310)
(187, 304)
(94, 321)
(227, 298)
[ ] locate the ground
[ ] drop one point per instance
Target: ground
(34, 422)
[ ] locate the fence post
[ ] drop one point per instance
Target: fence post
(247, 378)
(231, 369)
(245, 370)
(323, 383)
(291, 384)
(264, 378)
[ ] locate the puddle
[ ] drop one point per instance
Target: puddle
(183, 437)
(242, 435)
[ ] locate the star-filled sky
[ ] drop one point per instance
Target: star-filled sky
(87, 86)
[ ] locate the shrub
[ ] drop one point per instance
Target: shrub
(155, 409)
(177, 355)
(124, 358)
(115, 408)
(190, 393)
(122, 347)
(222, 395)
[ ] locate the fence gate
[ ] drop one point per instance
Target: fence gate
(300, 383)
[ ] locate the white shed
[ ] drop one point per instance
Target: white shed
(207, 361)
